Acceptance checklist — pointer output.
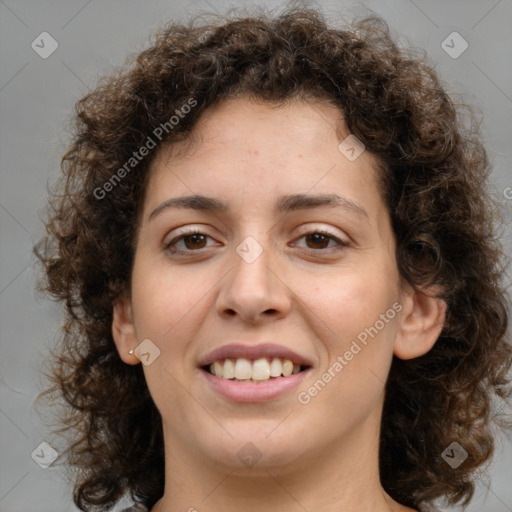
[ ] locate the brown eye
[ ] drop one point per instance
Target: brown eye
(194, 241)
(187, 243)
(317, 240)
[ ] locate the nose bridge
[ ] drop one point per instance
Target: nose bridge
(252, 287)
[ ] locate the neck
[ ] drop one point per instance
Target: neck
(338, 477)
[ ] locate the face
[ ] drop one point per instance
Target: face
(268, 274)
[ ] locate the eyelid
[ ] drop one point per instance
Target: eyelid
(185, 231)
(341, 243)
(313, 227)
(342, 237)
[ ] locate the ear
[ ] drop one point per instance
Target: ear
(421, 323)
(123, 330)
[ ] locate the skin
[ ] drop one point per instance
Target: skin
(299, 293)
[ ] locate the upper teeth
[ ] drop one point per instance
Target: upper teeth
(260, 369)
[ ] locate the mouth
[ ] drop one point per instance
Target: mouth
(258, 370)
(253, 373)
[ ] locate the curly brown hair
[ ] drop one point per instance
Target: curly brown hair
(434, 172)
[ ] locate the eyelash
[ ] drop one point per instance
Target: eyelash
(168, 246)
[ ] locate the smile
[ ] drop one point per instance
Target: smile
(253, 373)
(259, 370)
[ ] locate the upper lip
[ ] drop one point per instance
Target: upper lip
(253, 352)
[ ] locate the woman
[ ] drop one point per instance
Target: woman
(276, 249)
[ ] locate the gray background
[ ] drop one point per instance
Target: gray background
(36, 100)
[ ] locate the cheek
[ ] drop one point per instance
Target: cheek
(357, 345)
(165, 301)
(349, 300)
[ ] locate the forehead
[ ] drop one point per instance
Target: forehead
(257, 124)
(247, 146)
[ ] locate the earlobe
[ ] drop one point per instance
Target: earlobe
(123, 330)
(421, 323)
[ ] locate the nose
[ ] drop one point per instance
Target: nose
(254, 290)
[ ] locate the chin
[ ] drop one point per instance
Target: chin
(254, 448)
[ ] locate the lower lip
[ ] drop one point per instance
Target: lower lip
(254, 392)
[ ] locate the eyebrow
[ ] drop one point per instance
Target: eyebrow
(285, 204)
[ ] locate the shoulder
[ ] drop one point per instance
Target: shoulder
(427, 507)
(137, 507)
(422, 507)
